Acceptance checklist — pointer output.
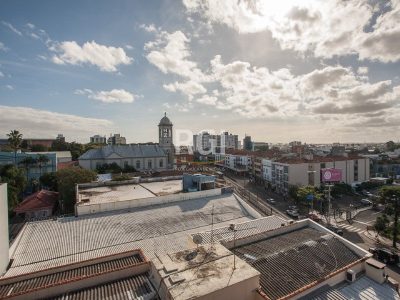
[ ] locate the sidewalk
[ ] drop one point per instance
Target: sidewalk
(380, 240)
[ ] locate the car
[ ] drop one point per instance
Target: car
(293, 213)
(293, 207)
(314, 217)
(271, 201)
(385, 255)
(335, 229)
(366, 202)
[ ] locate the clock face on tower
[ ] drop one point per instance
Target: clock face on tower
(165, 132)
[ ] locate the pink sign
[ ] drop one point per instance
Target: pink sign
(331, 175)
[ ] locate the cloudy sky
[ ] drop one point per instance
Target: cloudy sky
(310, 70)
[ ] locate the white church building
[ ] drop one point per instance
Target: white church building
(143, 157)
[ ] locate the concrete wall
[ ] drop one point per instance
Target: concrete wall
(4, 241)
(119, 205)
(91, 164)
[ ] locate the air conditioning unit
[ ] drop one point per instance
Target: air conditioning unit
(350, 276)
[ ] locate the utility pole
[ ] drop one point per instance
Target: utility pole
(329, 203)
(396, 216)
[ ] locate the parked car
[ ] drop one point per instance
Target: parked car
(293, 207)
(271, 201)
(314, 217)
(293, 213)
(385, 255)
(366, 202)
(335, 229)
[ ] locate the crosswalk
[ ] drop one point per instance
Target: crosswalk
(348, 227)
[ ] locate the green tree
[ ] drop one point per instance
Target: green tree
(15, 140)
(390, 146)
(303, 192)
(28, 162)
(42, 161)
(16, 183)
(381, 224)
(38, 148)
(391, 196)
(49, 181)
(66, 180)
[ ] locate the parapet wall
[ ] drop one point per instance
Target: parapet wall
(134, 203)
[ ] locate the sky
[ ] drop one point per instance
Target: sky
(311, 70)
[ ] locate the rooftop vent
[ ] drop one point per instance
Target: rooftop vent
(350, 276)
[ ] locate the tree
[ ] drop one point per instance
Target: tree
(42, 161)
(304, 192)
(28, 162)
(38, 148)
(49, 181)
(16, 183)
(381, 224)
(66, 181)
(15, 140)
(391, 196)
(390, 146)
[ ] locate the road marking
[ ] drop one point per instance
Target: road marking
(351, 228)
(364, 223)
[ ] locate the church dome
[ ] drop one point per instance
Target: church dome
(165, 121)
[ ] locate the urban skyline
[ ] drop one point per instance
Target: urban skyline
(278, 72)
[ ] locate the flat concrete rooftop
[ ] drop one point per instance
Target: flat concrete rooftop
(125, 192)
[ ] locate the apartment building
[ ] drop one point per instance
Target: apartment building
(237, 161)
(286, 172)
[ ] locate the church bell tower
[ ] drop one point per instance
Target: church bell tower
(165, 138)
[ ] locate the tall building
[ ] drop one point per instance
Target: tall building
(229, 140)
(98, 139)
(165, 138)
(116, 139)
(247, 143)
(205, 141)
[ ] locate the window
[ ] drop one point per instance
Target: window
(161, 163)
(138, 164)
(149, 165)
(323, 166)
(126, 163)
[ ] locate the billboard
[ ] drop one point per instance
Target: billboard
(331, 175)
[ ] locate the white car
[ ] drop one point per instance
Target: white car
(366, 202)
(293, 213)
(271, 200)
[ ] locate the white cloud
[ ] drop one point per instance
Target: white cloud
(148, 28)
(41, 123)
(113, 96)
(170, 53)
(208, 100)
(9, 87)
(106, 58)
(188, 88)
(362, 70)
(3, 47)
(30, 26)
(12, 28)
(129, 47)
(324, 28)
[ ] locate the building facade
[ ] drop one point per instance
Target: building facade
(98, 139)
(116, 139)
(142, 157)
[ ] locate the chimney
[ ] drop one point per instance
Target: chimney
(4, 242)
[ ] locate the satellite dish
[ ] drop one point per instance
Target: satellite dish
(197, 239)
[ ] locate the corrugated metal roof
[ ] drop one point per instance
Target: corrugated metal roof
(294, 260)
(156, 230)
(362, 289)
(135, 287)
(125, 151)
(75, 273)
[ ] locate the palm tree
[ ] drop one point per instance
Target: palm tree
(28, 162)
(15, 140)
(42, 160)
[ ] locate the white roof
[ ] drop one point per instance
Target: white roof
(155, 229)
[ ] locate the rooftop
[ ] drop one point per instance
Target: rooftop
(131, 151)
(125, 192)
(203, 271)
(363, 288)
(42, 199)
(155, 229)
(295, 259)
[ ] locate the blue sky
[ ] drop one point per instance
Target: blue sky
(296, 70)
